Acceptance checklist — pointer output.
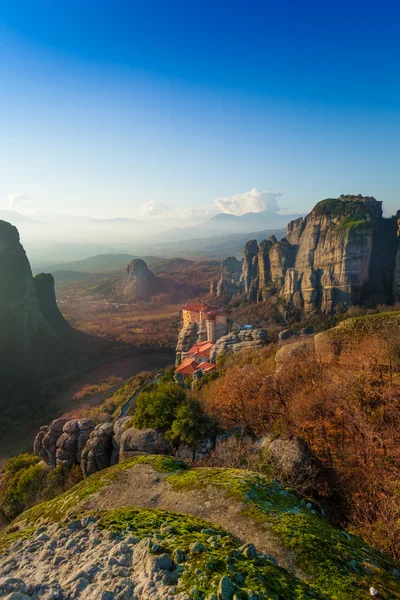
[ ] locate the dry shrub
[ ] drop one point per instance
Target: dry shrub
(349, 414)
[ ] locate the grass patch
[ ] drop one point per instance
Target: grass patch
(57, 509)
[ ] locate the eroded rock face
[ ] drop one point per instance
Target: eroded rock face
(45, 444)
(28, 308)
(252, 339)
(231, 269)
(62, 442)
(187, 337)
(44, 284)
(98, 451)
(142, 283)
(20, 316)
(343, 253)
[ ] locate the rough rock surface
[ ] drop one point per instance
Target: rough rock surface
(342, 253)
(292, 455)
(142, 283)
(187, 337)
(44, 284)
(230, 275)
(63, 441)
(21, 317)
(147, 539)
(252, 339)
(98, 451)
(83, 561)
(139, 441)
(287, 353)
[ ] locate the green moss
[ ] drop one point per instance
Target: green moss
(57, 509)
(336, 566)
(9, 538)
(324, 554)
(357, 224)
(219, 556)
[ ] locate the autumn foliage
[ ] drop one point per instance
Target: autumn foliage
(348, 411)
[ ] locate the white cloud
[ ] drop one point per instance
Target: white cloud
(154, 208)
(20, 202)
(253, 201)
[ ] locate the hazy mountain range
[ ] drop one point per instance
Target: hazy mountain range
(52, 238)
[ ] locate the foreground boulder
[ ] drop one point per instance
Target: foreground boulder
(152, 528)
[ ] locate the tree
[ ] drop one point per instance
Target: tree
(191, 424)
(157, 408)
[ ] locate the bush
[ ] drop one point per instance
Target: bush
(27, 481)
(169, 407)
(21, 484)
(157, 408)
(191, 424)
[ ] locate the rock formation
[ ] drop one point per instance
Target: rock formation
(251, 339)
(63, 441)
(142, 283)
(21, 318)
(44, 284)
(139, 441)
(341, 254)
(98, 451)
(158, 530)
(187, 337)
(94, 448)
(230, 275)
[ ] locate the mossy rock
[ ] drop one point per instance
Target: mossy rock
(329, 344)
(327, 563)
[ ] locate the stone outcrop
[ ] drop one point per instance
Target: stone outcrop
(341, 254)
(80, 545)
(98, 451)
(287, 353)
(63, 441)
(230, 275)
(142, 284)
(22, 320)
(139, 441)
(252, 339)
(187, 337)
(292, 456)
(44, 284)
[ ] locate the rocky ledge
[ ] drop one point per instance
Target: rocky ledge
(151, 528)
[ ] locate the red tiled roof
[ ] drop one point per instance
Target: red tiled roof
(200, 348)
(195, 307)
(206, 366)
(187, 366)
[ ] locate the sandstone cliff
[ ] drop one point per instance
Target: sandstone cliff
(341, 254)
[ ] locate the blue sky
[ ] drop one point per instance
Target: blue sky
(109, 106)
